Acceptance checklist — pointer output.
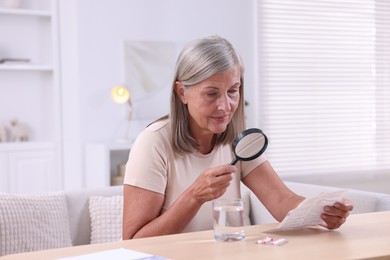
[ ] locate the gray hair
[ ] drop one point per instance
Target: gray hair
(199, 60)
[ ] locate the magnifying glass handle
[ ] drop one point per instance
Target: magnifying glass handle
(235, 160)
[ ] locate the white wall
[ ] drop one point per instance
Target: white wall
(91, 42)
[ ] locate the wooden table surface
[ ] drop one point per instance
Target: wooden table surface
(363, 236)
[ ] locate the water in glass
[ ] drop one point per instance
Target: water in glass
(229, 221)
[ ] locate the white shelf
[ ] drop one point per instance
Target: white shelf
(31, 33)
(119, 146)
(102, 160)
(25, 67)
(113, 145)
(25, 12)
(31, 45)
(23, 146)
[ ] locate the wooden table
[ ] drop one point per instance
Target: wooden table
(363, 236)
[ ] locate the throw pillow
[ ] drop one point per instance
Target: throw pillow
(106, 218)
(33, 222)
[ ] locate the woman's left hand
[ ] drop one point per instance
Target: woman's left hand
(334, 216)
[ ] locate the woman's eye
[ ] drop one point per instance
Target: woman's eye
(212, 94)
(233, 91)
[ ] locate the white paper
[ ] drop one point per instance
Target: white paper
(117, 254)
(309, 211)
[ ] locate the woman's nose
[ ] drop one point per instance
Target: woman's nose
(224, 103)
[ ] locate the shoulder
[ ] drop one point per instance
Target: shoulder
(159, 129)
(158, 125)
(156, 134)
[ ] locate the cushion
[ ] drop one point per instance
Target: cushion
(33, 222)
(78, 208)
(106, 218)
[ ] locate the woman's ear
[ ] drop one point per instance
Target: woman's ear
(180, 91)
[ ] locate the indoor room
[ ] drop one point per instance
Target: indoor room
(81, 80)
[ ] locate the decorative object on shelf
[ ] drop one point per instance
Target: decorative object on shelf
(122, 169)
(10, 3)
(3, 134)
(120, 176)
(19, 132)
(121, 95)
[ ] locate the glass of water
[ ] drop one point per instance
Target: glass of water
(228, 217)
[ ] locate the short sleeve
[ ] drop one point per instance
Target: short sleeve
(248, 166)
(147, 167)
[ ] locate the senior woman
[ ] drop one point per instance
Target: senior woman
(180, 163)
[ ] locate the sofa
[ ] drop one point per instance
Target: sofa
(80, 217)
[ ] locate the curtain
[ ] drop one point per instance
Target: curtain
(324, 85)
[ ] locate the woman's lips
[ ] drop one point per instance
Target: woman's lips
(221, 118)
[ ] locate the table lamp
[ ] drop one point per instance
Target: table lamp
(121, 95)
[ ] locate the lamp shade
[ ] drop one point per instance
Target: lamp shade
(120, 94)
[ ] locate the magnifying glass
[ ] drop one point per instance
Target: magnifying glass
(249, 145)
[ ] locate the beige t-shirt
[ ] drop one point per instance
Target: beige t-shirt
(154, 166)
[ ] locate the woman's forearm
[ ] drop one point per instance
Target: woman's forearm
(174, 219)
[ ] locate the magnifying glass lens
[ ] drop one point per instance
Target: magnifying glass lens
(249, 145)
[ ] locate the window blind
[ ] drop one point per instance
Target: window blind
(324, 85)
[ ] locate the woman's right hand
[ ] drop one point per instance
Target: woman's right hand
(212, 183)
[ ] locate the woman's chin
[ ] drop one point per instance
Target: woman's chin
(219, 129)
